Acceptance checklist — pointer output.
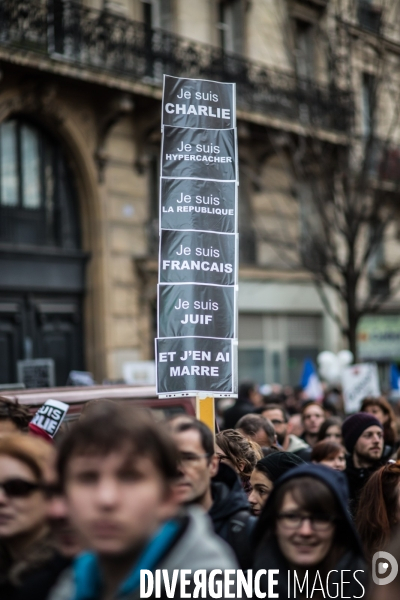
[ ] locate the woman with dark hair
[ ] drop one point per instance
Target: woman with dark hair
(265, 473)
(241, 454)
(331, 429)
(378, 514)
(381, 409)
(305, 527)
(330, 454)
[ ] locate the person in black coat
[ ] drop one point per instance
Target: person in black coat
(230, 514)
(306, 532)
(363, 439)
(248, 398)
(213, 485)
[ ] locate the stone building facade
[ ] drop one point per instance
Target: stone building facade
(80, 105)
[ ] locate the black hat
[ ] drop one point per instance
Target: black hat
(354, 426)
(278, 463)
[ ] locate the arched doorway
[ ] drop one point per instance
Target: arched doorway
(41, 262)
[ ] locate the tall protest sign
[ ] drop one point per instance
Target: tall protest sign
(196, 347)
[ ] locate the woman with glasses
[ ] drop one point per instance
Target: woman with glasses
(305, 528)
(28, 564)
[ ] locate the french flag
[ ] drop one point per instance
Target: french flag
(310, 382)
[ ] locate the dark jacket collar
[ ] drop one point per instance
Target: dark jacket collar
(227, 494)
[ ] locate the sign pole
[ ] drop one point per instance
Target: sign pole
(205, 411)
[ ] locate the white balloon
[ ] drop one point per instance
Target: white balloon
(345, 357)
(331, 374)
(331, 365)
(325, 358)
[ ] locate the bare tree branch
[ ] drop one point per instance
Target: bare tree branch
(345, 204)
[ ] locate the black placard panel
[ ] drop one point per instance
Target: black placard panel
(196, 310)
(199, 153)
(198, 103)
(198, 204)
(194, 364)
(197, 257)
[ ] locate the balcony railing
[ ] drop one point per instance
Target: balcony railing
(316, 4)
(103, 41)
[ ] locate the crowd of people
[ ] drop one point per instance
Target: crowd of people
(287, 484)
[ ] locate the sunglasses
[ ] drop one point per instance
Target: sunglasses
(19, 488)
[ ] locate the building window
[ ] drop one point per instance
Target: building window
(154, 197)
(367, 103)
(273, 347)
(312, 242)
(379, 280)
(37, 199)
(9, 160)
(157, 14)
(148, 14)
(369, 16)
(304, 41)
(247, 232)
(231, 26)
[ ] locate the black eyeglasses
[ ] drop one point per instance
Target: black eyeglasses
(295, 521)
(19, 488)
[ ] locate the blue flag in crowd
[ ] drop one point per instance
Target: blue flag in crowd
(310, 382)
(394, 377)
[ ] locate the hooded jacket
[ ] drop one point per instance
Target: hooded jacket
(185, 543)
(231, 514)
(269, 556)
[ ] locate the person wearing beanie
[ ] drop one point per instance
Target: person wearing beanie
(265, 473)
(363, 439)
